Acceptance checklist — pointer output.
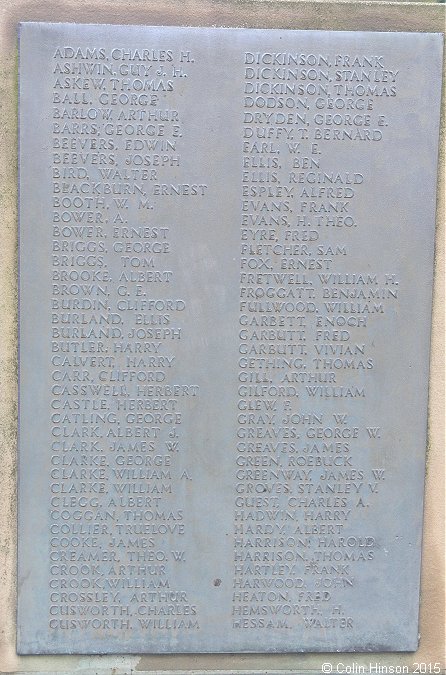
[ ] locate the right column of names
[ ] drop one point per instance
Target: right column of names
(308, 308)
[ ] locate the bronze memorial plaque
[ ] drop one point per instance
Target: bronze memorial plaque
(226, 260)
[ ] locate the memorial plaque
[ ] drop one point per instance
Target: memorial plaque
(226, 259)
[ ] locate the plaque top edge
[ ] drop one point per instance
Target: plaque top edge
(72, 24)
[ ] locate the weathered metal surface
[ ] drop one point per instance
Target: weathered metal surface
(225, 281)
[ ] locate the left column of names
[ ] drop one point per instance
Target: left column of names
(117, 507)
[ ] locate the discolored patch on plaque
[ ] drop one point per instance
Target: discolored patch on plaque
(226, 244)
